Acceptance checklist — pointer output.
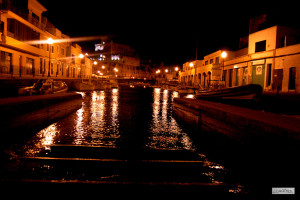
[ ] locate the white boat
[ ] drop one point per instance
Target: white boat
(44, 86)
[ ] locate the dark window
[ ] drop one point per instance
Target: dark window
(292, 78)
(230, 78)
(29, 68)
(260, 46)
(283, 41)
(269, 72)
(41, 65)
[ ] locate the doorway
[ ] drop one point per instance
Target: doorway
(292, 78)
(258, 75)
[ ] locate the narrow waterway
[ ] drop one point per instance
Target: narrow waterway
(125, 135)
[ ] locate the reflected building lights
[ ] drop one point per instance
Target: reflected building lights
(98, 122)
(166, 133)
(79, 134)
(42, 140)
(115, 111)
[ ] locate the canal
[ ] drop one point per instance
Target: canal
(124, 138)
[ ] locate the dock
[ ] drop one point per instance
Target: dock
(31, 113)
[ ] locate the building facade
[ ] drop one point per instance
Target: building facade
(117, 60)
(26, 51)
(272, 60)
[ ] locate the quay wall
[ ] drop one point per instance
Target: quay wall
(240, 124)
(28, 114)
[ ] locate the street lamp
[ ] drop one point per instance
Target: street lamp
(223, 55)
(49, 42)
(81, 56)
(116, 70)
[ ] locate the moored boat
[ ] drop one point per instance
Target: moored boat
(44, 86)
(249, 91)
(182, 90)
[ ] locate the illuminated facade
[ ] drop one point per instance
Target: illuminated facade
(116, 59)
(25, 50)
(272, 60)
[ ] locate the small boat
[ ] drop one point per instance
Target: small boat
(185, 90)
(249, 92)
(44, 86)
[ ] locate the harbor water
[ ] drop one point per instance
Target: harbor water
(124, 137)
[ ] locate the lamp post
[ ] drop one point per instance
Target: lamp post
(81, 56)
(50, 42)
(223, 55)
(192, 79)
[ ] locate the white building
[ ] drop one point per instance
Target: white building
(272, 60)
(24, 48)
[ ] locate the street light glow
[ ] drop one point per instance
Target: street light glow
(81, 55)
(191, 64)
(50, 41)
(224, 54)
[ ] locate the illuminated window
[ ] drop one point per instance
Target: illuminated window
(29, 66)
(99, 47)
(115, 57)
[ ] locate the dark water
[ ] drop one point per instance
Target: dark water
(128, 118)
(125, 135)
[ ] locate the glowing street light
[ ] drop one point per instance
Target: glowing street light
(166, 70)
(50, 42)
(191, 64)
(81, 56)
(95, 62)
(176, 69)
(223, 55)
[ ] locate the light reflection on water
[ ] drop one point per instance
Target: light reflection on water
(97, 123)
(164, 130)
(106, 116)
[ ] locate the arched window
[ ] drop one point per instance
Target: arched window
(209, 79)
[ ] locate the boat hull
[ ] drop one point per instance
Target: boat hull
(240, 92)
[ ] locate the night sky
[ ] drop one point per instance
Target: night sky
(166, 32)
